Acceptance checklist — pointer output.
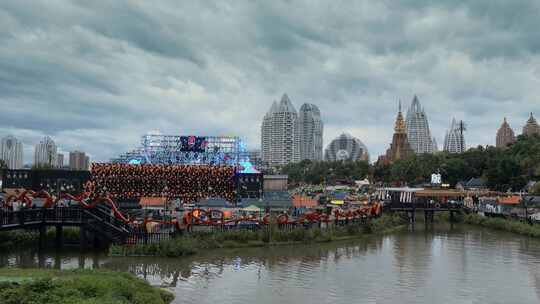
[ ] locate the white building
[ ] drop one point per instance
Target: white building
(279, 134)
(78, 161)
(418, 132)
(11, 151)
(310, 132)
(59, 160)
(454, 140)
(346, 148)
(45, 153)
(266, 134)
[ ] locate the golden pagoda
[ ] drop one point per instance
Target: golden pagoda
(400, 147)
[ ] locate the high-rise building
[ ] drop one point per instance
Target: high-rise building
(11, 151)
(266, 134)
(531, 127)
(279, 134)
(505, 135)
(346, 147)
(59, 160)
(400, 147)
(310, 132)
(418, 132)
(78, 161)
(454, 140)
(45, 153)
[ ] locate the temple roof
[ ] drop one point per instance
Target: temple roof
(531, 119)
(504, 126)
(531, 127)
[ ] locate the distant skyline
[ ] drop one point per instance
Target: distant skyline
(95, 76)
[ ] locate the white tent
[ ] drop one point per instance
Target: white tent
(251, 208)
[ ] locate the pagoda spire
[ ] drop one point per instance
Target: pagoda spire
(400, 126)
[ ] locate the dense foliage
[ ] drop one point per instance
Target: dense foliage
(310, 172)
(502, 168)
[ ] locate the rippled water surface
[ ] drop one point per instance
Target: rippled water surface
(441, 265)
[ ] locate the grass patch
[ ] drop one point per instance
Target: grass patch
(37, 286)
(270, 236)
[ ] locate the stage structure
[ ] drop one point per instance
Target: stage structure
(161, 149)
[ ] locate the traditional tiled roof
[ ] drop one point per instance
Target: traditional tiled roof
(152, 201)
(476, 182)
(304, 201)
(510, 200)
(531, 127)
(214, 202)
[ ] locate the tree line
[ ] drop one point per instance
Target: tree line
(509, 168)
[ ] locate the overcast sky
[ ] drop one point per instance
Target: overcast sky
(95, 76)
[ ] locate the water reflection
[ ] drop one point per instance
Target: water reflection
(439, 265)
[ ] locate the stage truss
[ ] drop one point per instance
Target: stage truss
(189, 150)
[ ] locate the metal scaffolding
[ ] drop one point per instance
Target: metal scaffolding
(192, 150)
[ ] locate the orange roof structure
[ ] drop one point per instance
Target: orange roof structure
(303, 201)
(439, 193)
(152, 201)
(509, 200)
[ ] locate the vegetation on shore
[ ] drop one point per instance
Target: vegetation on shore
(37, 286)
(503, 224)
(502, 168)
(200, 241)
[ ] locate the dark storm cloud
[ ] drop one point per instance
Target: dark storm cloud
(97, 74)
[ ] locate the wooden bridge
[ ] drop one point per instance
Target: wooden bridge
(97, 222)
(429, 210)
(417, 200)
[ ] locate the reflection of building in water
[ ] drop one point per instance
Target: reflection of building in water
(413, 258)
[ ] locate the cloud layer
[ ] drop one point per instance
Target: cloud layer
(95, 75)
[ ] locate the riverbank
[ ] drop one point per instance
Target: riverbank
(509, 225)
(200, 241)
(76, 286)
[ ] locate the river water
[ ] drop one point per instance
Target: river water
(444, 264)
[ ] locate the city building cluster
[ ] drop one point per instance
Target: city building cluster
(413, 135)
(288, 136)
(45, 155)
